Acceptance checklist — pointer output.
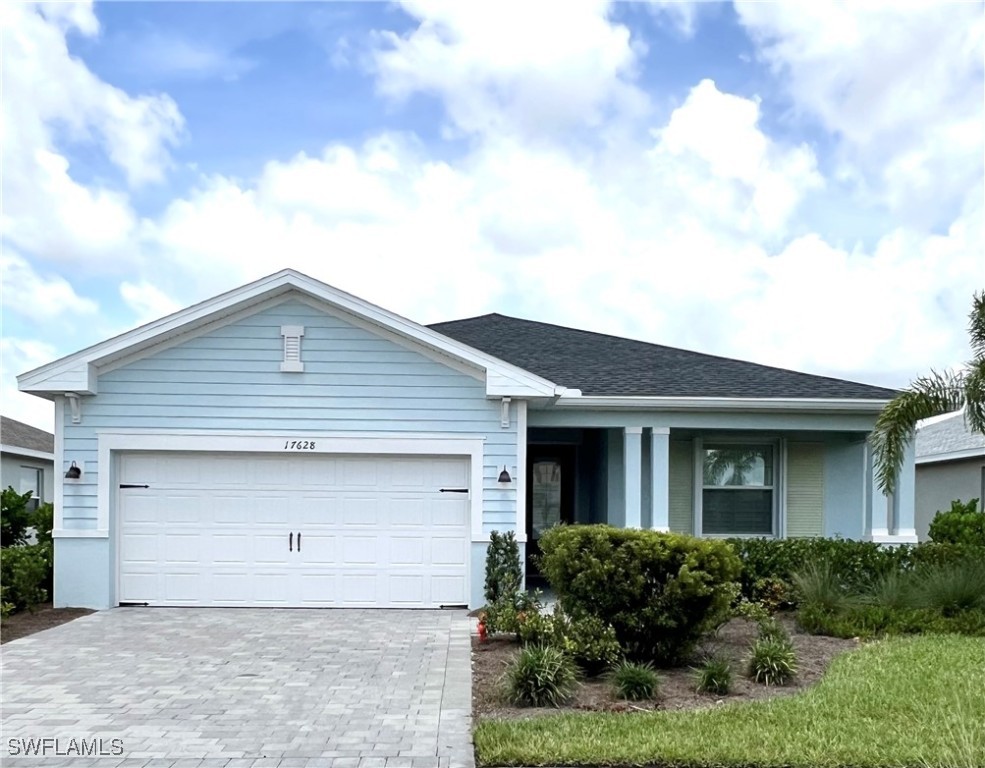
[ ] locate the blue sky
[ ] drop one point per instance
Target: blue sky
(796, 185)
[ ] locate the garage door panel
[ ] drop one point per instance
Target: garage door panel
(319, 549)
(231, 548)
(448, 552)
(360, 589)
(375, 530)
(407, 550)
(406, 590)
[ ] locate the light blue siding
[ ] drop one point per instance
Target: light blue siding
(83, 573)
(229, 379)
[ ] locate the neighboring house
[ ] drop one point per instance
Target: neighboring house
(27, 460)
(950, 465)
(288, 444)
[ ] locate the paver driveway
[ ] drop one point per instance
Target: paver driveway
(245, 687)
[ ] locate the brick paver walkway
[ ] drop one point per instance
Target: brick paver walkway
(244, 688)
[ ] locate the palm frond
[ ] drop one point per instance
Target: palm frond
(974, 395)
(927, 396)
(976, 325)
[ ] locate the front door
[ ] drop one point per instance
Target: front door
(550, 498)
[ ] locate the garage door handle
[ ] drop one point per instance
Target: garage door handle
(299, 541)
(290, 542)
(453, 490)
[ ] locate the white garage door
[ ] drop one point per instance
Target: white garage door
(293, 530)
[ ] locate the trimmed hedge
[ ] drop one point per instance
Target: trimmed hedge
(659, 591)
(768, 565)
(961, 524)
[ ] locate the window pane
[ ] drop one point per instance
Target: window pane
(29, 479)
(737, 511)
(742, 465)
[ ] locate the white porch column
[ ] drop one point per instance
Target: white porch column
(633, 474)
(660, 479)
(879, 503)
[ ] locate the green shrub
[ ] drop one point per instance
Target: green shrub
(890, 590)
(714, 676)
(961, 524)
(819, 585)
(15, 517)
(509, 611)
(746, 609)
(635, 682)
(504, 575)
(660, 592)
(952, 588)
(536, 628)
(771, 629)
(772, 661)
(867, 621)
(24, 572)
(592, 644)
(540, 676)
(773, 593)
(43, 520)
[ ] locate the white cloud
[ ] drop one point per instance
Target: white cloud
(18, 356)
(39, 298)
(47, 88)
(147, 301)
(526, 68)
(900, 85)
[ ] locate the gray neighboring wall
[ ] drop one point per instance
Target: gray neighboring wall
(24, 448)
(950, 465)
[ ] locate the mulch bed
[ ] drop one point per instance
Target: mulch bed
(44, 617)
(814, 655)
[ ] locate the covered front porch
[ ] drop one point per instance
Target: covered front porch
(710, 481)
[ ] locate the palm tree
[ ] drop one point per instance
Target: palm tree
(932, 395)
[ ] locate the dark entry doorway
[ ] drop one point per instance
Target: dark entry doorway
(550, 499)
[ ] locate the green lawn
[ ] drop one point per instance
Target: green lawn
(914, 701)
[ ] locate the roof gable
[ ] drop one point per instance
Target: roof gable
(79, 372)
(609, 366)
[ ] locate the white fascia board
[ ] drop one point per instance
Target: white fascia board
(967, 453)
(730, 404)
(27, 453)
(77, 372)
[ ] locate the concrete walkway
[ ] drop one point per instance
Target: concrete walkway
(243, 688)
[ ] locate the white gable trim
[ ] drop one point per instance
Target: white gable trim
(78, 372)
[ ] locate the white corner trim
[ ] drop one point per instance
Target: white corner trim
(26, 453)
(163, 441)
(521, 471)
(58, 520)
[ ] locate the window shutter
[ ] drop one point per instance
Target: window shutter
(292, 348)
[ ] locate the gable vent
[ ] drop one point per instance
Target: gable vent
(292, 348)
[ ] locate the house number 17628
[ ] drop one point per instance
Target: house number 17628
(299, 445)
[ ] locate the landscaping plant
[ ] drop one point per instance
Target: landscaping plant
(772, 661)
(591, 643)
(660, 592)
(540, 676)
(714, 676)
(961, 524)
(503, 570)
(15, 517)
(634, 681)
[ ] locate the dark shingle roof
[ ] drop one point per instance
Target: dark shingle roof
(603, 365)
(19, 435)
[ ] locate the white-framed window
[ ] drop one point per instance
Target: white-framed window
(31, 479)
(738, 488)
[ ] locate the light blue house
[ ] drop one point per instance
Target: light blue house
(288, 444)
